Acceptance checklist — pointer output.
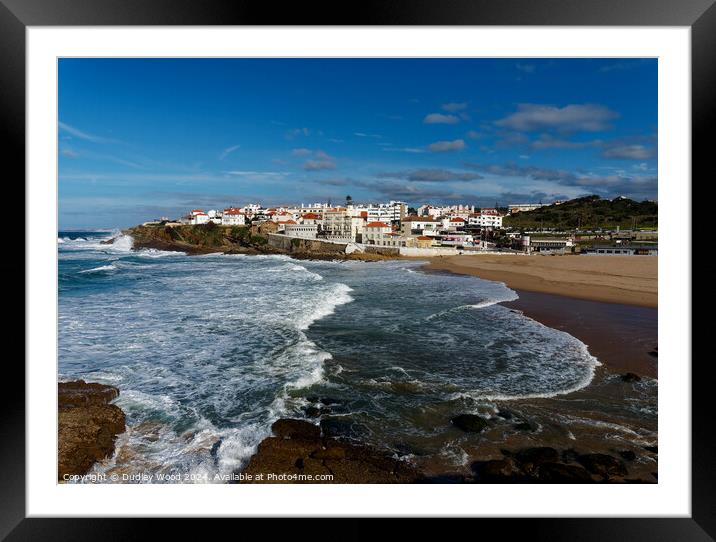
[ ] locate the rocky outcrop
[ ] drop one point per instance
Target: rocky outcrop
(87, 425)
(470, 423)
(300, 451)
(545, 465)
(212, 238)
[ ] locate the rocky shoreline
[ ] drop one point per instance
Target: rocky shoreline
(88, 425)
(299, 452)
(221, 240)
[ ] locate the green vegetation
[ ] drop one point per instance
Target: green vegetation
(258, 240)
(205, 235)
(239, 234)
(588, 213)
(295, 242)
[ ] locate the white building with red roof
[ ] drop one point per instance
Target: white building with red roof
(374, 232)
(233, 216)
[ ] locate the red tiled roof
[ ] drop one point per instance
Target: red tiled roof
(377, 225)
(457, 219)
(311, 216)
(424, 238)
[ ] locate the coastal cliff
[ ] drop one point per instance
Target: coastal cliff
(211, 238)
(88, 425)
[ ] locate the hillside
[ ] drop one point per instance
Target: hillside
(588, 213)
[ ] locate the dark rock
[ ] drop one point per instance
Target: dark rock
(471, 423)
(498, 471)
(81, 393)
(559, 473)
(603, 465)
(87, 425)
(296, 429)
(347, 462)
(445, 479)
(312, 412)
(332, 427)
(654, 354)
(536, 456)
(570, 455)
(525, 426)
(628, 455)
(652, 449)
(631, 377)
(505, 414)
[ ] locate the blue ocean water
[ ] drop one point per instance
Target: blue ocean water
(209, 350)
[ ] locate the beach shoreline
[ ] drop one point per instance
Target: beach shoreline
(625, 280)
(622, 336)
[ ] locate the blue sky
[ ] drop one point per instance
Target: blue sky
(143, 138)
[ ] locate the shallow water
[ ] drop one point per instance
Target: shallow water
(208, 351)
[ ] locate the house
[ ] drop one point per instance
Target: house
(420, 225)
(302, 231)
(373, 232)
(424, 241)
(233, 217)
(454, 223)
(199, 218)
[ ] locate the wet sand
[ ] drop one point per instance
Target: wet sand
(623, 337)
(630, 280)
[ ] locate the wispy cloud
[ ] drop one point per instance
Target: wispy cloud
(296, 132)
(546, 141)
(363, 134)
(431, 175)
(227, 151)
(452, 107)
(447, 146)
(82, 135)
(301, 152)
(320, 161)
(629, 152)
(570, 118)
(411, 150)
(439, 118)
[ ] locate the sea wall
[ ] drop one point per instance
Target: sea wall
(436, 251)
(296, 244)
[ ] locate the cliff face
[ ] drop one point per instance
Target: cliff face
(87, 425)
(208, 238)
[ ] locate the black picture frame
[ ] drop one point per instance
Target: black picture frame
(16, 15)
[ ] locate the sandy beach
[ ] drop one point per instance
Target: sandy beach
(630, 280)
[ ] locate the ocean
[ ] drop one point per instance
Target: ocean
(208, 351)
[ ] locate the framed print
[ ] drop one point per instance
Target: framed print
(404, 265)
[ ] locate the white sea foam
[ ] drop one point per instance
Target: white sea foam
(101, 268)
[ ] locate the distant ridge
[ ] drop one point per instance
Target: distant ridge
(588, 212)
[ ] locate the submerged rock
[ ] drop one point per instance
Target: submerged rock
(628, 455)
(630, 377)
(603, 465)
(498, 471)
(295, 429)
(299, 454)
(471, 423)
(87, 425)
(559, 473)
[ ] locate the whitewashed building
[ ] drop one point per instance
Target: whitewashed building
(302, 231)
(373, 232)
(233, 217)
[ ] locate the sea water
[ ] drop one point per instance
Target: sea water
(208, 351)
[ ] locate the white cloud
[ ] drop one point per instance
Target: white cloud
(439, 118)
(227, 151)
(446, 146)
(570, 118)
